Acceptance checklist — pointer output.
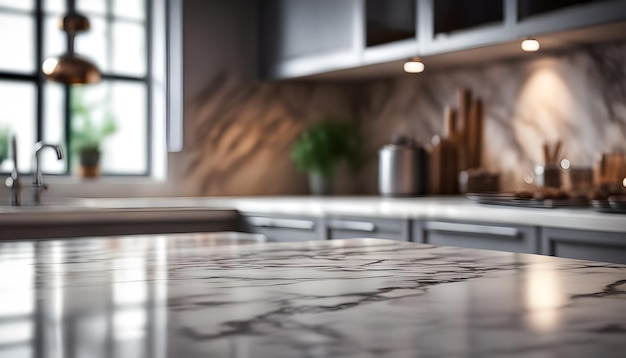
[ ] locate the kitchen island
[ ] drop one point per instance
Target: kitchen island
(189, 295)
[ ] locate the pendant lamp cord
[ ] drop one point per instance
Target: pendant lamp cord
(71, 10)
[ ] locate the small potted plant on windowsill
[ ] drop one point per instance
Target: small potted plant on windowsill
(87, 136)
(321, 147)
(4, 143)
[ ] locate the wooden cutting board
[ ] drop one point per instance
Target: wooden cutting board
(474, 135)
(443, 168)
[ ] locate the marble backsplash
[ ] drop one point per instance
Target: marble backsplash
(241, 134)
(578, 96)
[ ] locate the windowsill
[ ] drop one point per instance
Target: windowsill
(104, 180)
(102, 187)
(75, 187)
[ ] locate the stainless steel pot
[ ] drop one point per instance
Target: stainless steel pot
(402, 170)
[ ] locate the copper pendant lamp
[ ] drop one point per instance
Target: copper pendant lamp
(71, 68)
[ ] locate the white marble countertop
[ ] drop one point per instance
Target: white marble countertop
(182, 296)
(430, 208)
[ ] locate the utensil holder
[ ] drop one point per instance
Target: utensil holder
(552, 176)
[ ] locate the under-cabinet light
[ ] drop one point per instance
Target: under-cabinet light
(530, 45)
(414, 66)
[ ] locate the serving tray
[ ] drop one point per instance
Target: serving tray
(504, 199)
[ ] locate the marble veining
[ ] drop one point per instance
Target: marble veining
(242, 133)
(183, 296)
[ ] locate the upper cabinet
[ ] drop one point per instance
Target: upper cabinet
(455, 15)
(534, 17)
(390, 30)
(389, 21)
(529, 8)
(459, 24)
(303, 38)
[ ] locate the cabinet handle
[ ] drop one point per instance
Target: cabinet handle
(282, 223)
(352, 225)
(473, 229)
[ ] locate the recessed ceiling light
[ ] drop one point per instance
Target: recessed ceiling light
(414, 66)
(530, 45)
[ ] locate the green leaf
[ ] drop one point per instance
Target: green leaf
(5, 137)
(85, 133)
(324, 144)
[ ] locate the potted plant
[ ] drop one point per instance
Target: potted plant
(321, 147)
(4, 144)
(87, 136)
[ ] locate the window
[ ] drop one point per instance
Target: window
(35, 109)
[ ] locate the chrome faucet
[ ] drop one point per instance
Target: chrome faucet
(13, 181)
(38, 183)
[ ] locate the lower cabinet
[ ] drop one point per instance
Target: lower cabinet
(576, 244)
(584, 244)
(523, 239)
(278, 228)
(360, 227)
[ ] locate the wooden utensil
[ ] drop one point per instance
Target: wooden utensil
(465, 98)
(557, 152)
(480, 119)
(450, 123)
(551, 157)
(474, 132)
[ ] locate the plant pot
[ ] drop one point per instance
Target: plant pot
(89, 172)
(89, 163)
(320, 185)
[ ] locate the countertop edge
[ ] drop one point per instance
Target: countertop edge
(226, 208)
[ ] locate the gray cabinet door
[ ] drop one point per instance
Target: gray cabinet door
(455, 25)
(362, 227)
(583, 244)
(279, 228)
(304, 37)
(523, 239)
(536, 17)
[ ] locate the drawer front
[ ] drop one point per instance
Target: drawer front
(481, 236)
(359, 227)
(283, 228)
(584, 244)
